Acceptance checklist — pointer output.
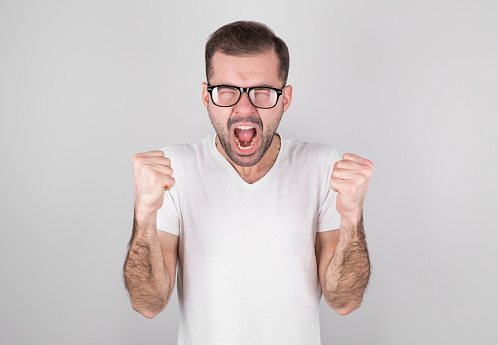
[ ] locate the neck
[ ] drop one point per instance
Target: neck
(254, 173)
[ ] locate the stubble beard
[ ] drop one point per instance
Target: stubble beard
(265, 136)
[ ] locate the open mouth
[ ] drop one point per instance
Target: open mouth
(245, 137)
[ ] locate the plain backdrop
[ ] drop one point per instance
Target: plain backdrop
(412, 86)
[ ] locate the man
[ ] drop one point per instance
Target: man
(261, 225)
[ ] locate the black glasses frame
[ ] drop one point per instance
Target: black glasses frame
(246, 90)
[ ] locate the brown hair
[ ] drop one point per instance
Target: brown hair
(247, 38)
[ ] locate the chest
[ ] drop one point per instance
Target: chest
(222, 218)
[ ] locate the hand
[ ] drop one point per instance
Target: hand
(350, 180)
(152, 177)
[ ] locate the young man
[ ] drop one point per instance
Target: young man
(261, 224)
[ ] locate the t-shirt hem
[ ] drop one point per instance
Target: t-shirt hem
(168, 228)
(329, 226)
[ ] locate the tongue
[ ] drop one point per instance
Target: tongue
(245, 135)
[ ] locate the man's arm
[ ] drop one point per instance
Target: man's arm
(343, 266)
(149, 269)
(342, 255)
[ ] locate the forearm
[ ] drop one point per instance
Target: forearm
(145, 273)
(348, 272)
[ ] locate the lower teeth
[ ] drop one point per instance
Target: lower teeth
(237, 141)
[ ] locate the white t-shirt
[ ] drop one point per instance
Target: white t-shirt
(247, 270)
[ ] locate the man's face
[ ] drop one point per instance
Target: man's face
(246, 132)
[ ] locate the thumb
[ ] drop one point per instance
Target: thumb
(336, 184)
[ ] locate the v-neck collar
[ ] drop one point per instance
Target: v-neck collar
(226, 166)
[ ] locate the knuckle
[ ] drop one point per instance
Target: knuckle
(168, 183)
(154, 177)
(365, 169)
(360, 179)
(146, 169)
(135, 157)
(368, 162)
(172, 182)
(348, 156)
(139, 161)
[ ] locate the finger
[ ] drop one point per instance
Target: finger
(341, 186)
(164, 169)
(353, 167)
(358, 159)
(153, 153)
(157, 160)
(139, 162)
(347, 164)
(167, 182)
(347, 174)
(156, 153)
(153, 177)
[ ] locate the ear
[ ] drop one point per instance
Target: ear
(205, 94)
(287, 95)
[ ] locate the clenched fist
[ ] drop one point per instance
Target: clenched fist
(152, 173)
(350, 180)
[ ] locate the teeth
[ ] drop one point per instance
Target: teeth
(244, 127)
(237, 141)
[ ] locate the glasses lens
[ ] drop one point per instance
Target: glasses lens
(263, 97)
(225, 96)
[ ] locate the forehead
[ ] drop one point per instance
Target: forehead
(246, 70)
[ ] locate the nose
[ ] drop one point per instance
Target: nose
(244, 106)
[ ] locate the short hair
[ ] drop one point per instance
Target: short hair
(247, 38)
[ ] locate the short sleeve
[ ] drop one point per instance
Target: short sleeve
(328, 216)
(169, 215)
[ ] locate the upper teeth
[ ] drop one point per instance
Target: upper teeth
(244, 127)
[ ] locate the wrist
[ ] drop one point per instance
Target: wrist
(352, 219)
(352, 227)
(144, 216)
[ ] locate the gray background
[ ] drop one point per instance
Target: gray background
(410, 85)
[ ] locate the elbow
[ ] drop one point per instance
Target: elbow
(347, 308)
(344, 308)
(343, 311)
(149, 313)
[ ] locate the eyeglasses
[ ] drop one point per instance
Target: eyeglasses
(261, 97)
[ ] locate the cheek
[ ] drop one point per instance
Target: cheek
(219, 115)
(272, 119)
